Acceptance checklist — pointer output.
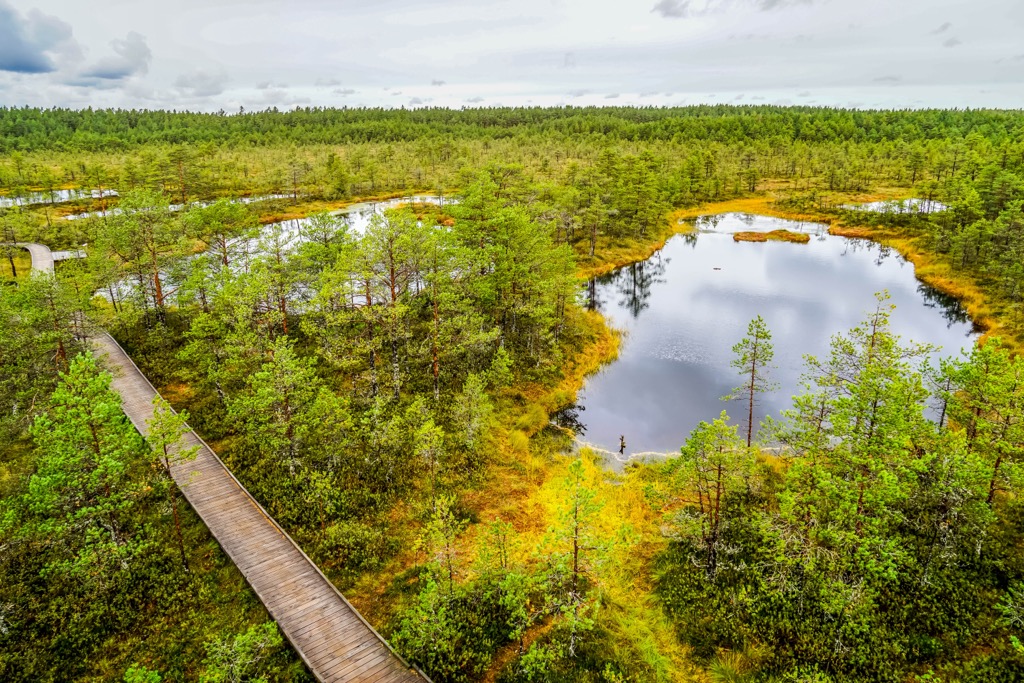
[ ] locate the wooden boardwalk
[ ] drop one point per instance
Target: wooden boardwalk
(42, 257)
(331, 637)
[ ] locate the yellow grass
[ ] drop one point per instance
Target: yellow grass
(762, 206)
(516, 473)
(611, 254)
(525, 490)
(774, 235)
(22, 264)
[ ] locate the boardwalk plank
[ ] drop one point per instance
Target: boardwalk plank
(338, 663)
(320, 629)
(373, 669)
(319, 624)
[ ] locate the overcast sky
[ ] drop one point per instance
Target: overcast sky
(226, 54)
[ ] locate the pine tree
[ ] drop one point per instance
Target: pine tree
(859, 434)
(986, 402)
(167, 449)
(577, 551)
(143, 236)
(712, 466)
(753, 359)
(81, 490)
(275, 407)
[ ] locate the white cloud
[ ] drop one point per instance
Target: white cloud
(201, 83)
(131, 57)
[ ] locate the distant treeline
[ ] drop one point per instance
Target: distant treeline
(32, 129)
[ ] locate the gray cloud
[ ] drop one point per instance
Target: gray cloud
(475, 100)
(344, 92)
(775, 4)
(201, 83)
(28, 43)
(131, 57)
(272, 95)
(327, 82)
(942, 29)
(888, 79)
(951, 42)
(672, 9)
(416, 101)
(678, 9)
(611, 96)
(436, 82)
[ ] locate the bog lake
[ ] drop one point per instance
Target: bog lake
(682, 310)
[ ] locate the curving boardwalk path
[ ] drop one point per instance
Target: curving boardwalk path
(42, 257)
(332, 638)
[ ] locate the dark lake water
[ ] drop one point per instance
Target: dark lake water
(683, 309)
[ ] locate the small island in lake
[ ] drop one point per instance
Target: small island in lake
(775, 235)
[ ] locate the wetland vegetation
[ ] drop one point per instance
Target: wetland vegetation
(402, 392)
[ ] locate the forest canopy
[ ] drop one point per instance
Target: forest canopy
(401, 396)
(30, 129)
